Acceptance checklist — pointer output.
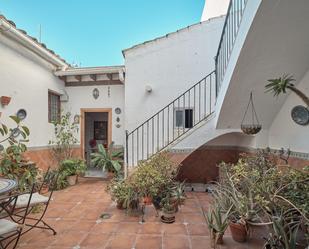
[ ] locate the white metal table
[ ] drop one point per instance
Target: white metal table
(7, 185)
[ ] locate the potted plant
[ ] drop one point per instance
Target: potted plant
(108, 160)
(217, 222)
(241, 211)
(168, 210)
(71, 168)
(284, 234)
(131, 201)
(118, 189)
(5, 100)
(239, 229)
(147, 181)
(11, 156)
(178, 195)
(233, 201)
(92, 143)
(65, 133)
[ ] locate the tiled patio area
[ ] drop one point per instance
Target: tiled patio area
(74, 213)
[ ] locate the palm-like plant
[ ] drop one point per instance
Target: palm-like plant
(281, 84)
(107, 159)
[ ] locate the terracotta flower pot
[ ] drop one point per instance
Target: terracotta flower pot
(212, 239)
(216, 238)
(5, 100)
(283, 168)
(120, 205)
(239, 231)
(110, 175)
(147, 200)
(219, 238)
(44, 189)
(168, 216)
(72, 180)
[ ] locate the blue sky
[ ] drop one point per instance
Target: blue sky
(93, 32)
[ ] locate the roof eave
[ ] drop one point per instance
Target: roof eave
(26, 41)
(90, 70)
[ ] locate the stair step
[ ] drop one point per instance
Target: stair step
(199, 187)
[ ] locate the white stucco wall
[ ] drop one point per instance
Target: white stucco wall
(110, 97)
(170, 65)
(27, 78)
(284, 132)
(253, 62)
(213, 8)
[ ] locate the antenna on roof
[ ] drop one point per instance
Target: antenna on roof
(40, 33)
(74, 64)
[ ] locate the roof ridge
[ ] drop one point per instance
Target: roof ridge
(170, 33)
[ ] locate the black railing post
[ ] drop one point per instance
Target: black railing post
(216, 75)
(126, 172)
(228, 36)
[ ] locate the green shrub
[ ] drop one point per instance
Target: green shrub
(73, 166)
(12, 163)
(154, 175)
(65, 133)
(154, 178)
(67, 168)
(260, 193)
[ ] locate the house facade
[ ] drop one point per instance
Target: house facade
(186, 92)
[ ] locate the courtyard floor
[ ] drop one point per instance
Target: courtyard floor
(75, 211)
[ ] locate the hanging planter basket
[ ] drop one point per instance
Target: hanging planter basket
(251, 129)
(254, 127)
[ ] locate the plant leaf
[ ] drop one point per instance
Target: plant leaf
(16, 119)
(26, 130)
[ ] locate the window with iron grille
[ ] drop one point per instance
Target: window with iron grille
(53, 107)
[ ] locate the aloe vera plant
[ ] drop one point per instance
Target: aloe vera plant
(217, 222)
(284, 234)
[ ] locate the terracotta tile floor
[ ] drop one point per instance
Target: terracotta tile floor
(74, 213)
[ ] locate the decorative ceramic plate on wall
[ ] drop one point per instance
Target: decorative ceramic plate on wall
(118, 110)
(300, 115)
(21, 114)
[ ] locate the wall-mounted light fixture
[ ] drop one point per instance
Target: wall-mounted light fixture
(76, 119)
(95, 93)
(148, 89)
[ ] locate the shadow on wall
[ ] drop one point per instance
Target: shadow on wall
(201, 166)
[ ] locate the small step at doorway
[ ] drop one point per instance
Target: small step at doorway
(95, 173)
